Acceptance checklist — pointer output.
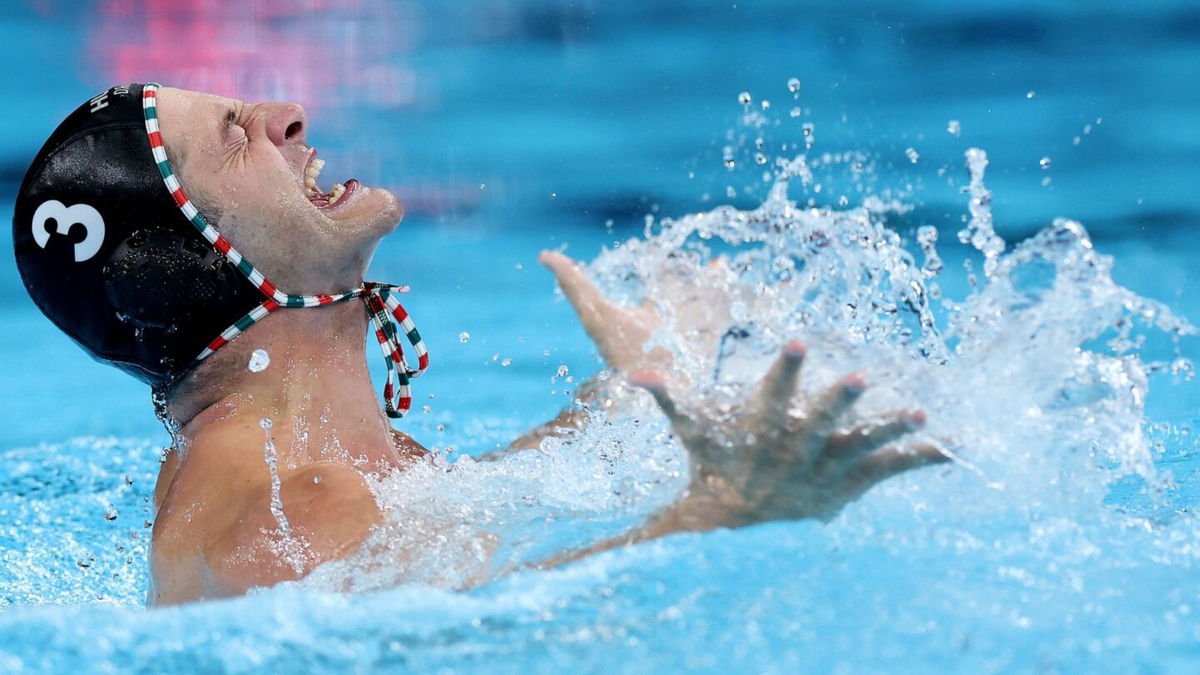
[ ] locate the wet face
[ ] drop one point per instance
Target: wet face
(249, 164)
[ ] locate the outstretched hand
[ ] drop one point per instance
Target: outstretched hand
(768, 460)
(768, 463)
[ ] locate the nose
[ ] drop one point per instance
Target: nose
(286, 123)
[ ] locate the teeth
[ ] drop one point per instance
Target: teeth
(336, 193)
(310, 176)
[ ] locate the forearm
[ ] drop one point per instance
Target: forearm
(707, 506)
(569, 420)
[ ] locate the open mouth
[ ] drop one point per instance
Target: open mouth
(336, 196)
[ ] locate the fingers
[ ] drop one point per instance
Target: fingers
(583, 295)
(888, 462)
(865, 439)
(778, 385)
(614, 330)
(834, 402)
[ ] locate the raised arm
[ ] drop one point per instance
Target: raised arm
(777, 457)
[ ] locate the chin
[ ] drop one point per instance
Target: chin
(375, 211)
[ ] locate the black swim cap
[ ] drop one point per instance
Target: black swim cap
(112, 250)
(107, 255)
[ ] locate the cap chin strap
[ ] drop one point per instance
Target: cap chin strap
(385, 313)
(383, 309)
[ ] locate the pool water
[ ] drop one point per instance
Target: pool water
(1064, 538)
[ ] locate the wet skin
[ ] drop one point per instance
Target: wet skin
(215, 533)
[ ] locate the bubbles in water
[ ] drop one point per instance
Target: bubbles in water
(744, 98)
(793, 84)
(464, 337)
(1029, 94)
(506, 363)
(111, 514)
(259, 360)
(953, 127)
(794, 112)
(1044, 162)
(912, 155)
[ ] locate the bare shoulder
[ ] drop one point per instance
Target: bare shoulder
(234, 540)
(324, 512)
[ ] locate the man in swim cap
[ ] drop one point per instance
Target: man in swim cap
(175, 234)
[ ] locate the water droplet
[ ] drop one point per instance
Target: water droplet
(793, 84)
(506, 363)
(760, 158)
(730, 163)
(766, 105)
(1029, 94)
(953, 127)
(316, 480)
(426, 409)
(1044, 162)
(440, 427)
(553, 195)
(259, 360)
(464, 337)
(912, 155)
(1183, 367)
(562, 371)
(744, 98)
(111, 514)
(265, 423)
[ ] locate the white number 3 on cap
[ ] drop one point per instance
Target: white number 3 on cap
(66, 216)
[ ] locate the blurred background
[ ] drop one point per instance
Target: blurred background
(507, 126)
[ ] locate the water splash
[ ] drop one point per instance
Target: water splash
(1030, 378)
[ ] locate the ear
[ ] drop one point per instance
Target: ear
(160, 279)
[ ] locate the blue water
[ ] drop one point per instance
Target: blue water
(515, 126)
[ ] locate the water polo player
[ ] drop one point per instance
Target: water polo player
(174, 234)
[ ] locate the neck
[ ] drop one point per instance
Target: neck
(316, 390)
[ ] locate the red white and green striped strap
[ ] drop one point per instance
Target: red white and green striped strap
(384, 310)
